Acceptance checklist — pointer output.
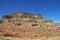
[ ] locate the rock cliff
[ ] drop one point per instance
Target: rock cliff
(21, 24)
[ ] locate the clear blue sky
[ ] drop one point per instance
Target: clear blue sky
(50, 9)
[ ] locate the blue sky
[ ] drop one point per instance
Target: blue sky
(49, 9)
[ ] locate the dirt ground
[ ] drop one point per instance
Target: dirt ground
(19, 38)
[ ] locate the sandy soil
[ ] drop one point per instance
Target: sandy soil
(18, 38)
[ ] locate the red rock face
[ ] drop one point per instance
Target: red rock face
(19, 33)
(32, 33)
(7, 33)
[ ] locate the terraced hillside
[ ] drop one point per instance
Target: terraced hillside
(27, 25)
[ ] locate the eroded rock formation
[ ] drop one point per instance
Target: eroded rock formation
(28, 25)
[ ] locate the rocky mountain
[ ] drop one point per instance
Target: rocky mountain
(21, 24)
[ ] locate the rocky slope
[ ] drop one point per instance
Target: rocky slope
(22, 24)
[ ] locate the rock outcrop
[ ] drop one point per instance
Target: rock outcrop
(28, 25)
